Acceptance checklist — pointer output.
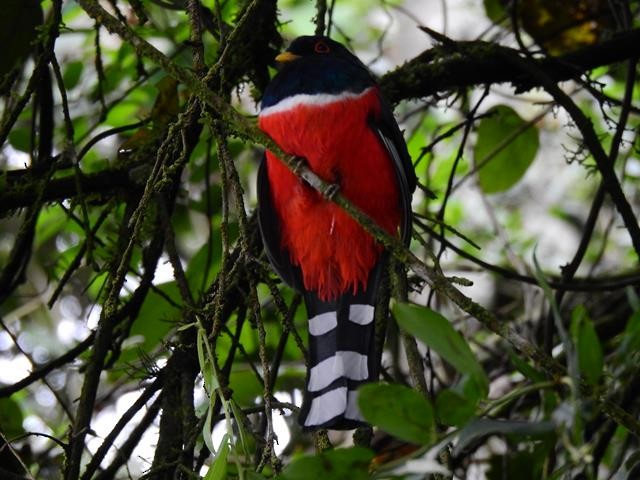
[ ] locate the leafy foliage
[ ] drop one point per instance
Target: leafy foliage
(505, 148)
(400, 411)
(332, 465)
(142, 332)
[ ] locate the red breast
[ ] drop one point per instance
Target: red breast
(332, 133)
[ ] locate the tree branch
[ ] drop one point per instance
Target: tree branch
(466, 64)
(47, 368)
(22, 188)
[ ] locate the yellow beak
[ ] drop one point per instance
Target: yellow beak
(287, 57)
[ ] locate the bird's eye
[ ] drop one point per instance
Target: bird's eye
(321, 47)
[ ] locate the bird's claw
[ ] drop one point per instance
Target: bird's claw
(331, 191)
(300, 163)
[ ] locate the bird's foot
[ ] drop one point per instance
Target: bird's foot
(300, 163)
(331, 191)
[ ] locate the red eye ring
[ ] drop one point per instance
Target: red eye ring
(321, 47)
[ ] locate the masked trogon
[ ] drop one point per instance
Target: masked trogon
(324, 106)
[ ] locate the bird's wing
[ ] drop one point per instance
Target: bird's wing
(270, 232)
(389, 133)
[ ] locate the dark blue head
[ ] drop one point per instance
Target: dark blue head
(316, 64)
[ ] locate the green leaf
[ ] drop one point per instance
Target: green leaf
(350, 463)
(246, 441)
(482, 427)
(20, 139)
(51, 222)
(398, 410)
(436, 332)
(454, 409)
(206, 427)
(72, 74)
(587, 345)
(211, 383)
(218, 469)
(245, 386)
(96, 285)
(11, 418)
(206, 367)
(505, 148)
(290, 378)
(494, 10)
(631, 335)
(524, 368)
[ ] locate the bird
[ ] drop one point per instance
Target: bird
(325, 107)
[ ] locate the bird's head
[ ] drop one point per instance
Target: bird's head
(316, 48)
(316, 65)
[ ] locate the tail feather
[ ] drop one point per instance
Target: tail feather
(342, 357)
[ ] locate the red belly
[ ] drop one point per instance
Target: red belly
(334, 253)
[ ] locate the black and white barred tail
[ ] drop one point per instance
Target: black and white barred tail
(342, 356)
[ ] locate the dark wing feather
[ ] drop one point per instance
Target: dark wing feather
(270, 232)
(389, 133)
